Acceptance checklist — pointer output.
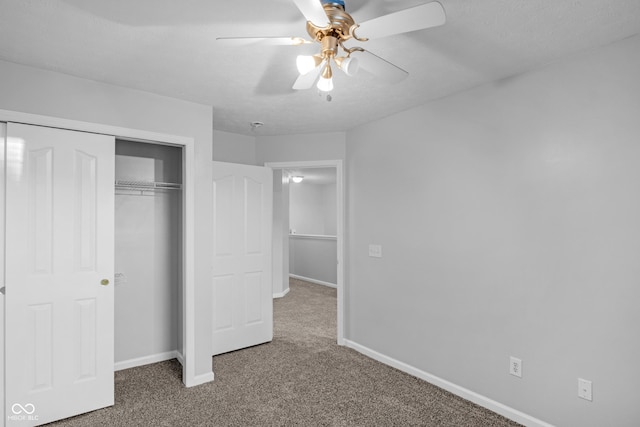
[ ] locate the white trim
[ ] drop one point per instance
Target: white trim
(180, 357)
(338, 164)
(3, 134)
(188, 321)
(200, 379)
(147, 360)
(281, 294)
(485, 402)
(117, 131)
(316, 281)
(188, 275)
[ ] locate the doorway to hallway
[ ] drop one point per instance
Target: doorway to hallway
(283, 180)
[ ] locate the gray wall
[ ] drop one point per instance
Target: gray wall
(509, 220)
(313, 258)
(312, 208)
(148, 253)
(292, 148)
(234, 148)
(36, 91)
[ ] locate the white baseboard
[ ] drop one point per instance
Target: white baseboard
(200, 379)
(161, 357)
(281, 294)
(146, 360)
(180, 357)
(472, 396)
(317, 282)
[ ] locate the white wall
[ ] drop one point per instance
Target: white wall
(234, 148)
(35, 91)
(509, 220)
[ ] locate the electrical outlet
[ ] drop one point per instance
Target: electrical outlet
(585, 390)
(515, 366)
(375, 251)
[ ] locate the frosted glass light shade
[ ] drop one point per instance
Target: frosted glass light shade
(297, 179)
(306, 63)
(325, 85)
(349, 65)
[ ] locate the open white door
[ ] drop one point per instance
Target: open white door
(59, 273)
(242, 294)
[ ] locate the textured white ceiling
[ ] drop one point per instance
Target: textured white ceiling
(168, 47)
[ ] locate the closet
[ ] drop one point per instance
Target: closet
(148, 253)
(92, 231)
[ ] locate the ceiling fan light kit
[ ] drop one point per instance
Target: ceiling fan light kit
(340, 28)
(348, 64)
(331, 26)
(306, 63)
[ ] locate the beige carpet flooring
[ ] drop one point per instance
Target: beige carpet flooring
(302, 378)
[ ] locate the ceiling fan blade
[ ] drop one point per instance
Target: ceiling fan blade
(305, 81)
(273, 41)
(415, 18)
(380, 67)
(313, 11)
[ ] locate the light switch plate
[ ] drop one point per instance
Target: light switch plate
(584, 389)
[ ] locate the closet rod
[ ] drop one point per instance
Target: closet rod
(147, 185)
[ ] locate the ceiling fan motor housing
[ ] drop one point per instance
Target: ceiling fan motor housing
(341, 25)
(338, 3)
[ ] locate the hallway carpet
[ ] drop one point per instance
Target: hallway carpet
(302, 378)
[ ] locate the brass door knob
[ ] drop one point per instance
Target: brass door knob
(104, 282)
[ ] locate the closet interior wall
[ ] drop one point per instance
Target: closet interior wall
(148, 253)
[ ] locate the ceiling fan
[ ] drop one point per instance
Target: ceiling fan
(331, 26)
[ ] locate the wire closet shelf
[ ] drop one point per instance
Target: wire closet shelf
(146, 186)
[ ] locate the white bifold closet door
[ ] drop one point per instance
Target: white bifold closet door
(242, 283)
(59, 273)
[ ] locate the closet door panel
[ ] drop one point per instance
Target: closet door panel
(85, 212)
(59, 292)
(85, 352)
(40, 210)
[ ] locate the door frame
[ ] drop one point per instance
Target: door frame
(188, 144)
(338, 165)
(3, 135)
